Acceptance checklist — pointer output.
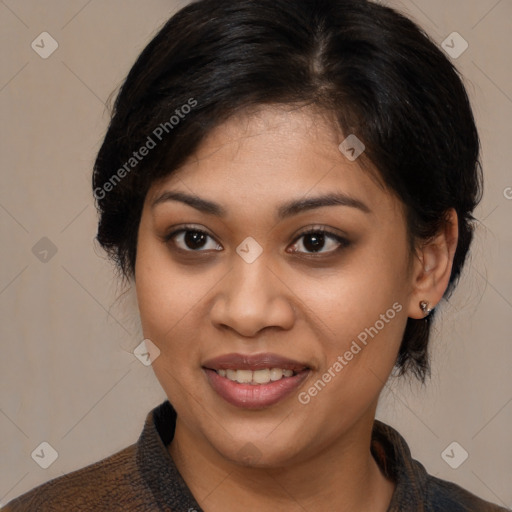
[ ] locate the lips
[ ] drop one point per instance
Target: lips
(253, 362)
(253, 395)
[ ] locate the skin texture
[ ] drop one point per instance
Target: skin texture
(199, 304)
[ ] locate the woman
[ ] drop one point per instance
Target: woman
(290, 186)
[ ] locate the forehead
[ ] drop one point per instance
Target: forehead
(267, 155)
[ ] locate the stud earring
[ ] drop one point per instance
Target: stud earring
(424, 306)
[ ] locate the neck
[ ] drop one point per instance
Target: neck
(342, 477)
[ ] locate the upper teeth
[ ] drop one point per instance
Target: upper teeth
(256, 377)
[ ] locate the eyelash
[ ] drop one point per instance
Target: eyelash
(343, 242)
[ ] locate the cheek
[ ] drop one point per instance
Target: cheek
(361, 323)
(172, 301)
(168, 304)
(359, 349)
(162, 295)
(362, 309)
(355, 297)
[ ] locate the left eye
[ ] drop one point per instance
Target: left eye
(315, 240)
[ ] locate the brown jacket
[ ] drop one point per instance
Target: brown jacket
(143, 478)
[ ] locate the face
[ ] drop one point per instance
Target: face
(264, 274)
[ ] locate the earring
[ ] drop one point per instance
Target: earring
(424, 306)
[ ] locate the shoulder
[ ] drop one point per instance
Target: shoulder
(443, 495)
(415, 488)
(113, 483)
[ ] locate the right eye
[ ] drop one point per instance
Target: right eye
(192, 239)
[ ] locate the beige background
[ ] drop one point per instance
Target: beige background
(68, 373)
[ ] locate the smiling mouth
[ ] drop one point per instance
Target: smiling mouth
(254, 381)
(253, 394)
(257, 377)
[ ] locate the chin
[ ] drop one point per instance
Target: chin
(258, 451)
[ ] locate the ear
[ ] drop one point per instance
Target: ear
(432, 266)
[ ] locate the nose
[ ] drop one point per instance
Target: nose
(252, 297)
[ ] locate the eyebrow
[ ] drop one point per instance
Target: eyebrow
(286, 210)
